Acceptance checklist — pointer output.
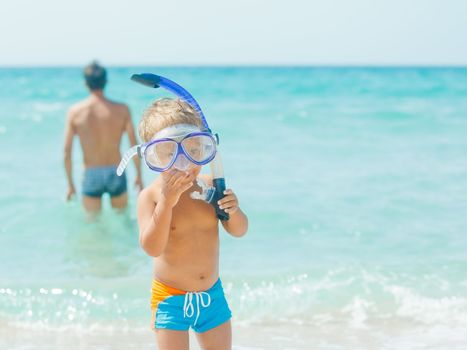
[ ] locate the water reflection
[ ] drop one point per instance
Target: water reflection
(104, 245)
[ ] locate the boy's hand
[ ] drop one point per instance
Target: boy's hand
(229, 203)
(174, 183)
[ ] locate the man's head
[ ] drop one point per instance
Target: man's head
(95, 76)
(166, 112)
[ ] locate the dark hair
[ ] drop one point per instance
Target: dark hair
(95, 76)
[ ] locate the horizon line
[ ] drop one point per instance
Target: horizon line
(263, 65)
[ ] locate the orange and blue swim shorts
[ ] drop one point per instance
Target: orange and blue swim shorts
(179, 310)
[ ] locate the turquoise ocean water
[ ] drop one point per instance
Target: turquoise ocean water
(354, 180)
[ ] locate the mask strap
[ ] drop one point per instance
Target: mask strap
(133, 151)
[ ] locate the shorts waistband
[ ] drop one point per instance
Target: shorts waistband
(168, 290)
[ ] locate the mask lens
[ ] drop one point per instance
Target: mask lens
(199, 147)
(161, 154)
(182, 163)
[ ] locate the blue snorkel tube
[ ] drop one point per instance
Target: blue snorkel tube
(212, 195)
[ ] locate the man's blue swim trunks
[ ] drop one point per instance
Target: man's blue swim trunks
(100, 180)
(179, 310)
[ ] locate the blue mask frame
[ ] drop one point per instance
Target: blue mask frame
(180, 150)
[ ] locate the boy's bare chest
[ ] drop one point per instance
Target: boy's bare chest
(191, 215)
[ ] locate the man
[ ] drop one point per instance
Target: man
(100, 124)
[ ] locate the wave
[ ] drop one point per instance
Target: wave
(358, 298)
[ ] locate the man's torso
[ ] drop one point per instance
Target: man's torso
(100, 124)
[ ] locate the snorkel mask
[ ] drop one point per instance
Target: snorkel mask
(179, 146)
(182, 145)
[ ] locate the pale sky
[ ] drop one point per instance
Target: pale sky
(238, 32)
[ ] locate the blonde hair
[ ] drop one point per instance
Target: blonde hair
(165, 112)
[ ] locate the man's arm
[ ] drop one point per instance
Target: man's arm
(130, 130)
(68, 146)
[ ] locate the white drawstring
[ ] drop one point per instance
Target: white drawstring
(189, 309)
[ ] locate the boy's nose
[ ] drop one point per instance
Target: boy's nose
(182, 163)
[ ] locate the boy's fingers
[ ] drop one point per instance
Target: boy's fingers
(229, 195)
(171, 180)
(228, 204)
(182, 180)
(182, 186)
(178, 180)
(227, 199)
(167, 176)
(227, 209)
(186, 186)
(176, 177)
(231, 210)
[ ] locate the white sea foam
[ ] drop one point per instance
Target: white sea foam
(358, 298)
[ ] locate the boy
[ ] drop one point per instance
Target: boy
(181, 233)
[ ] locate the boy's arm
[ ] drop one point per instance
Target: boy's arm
(155, 216)
(132, 137)
(154, 223)
(237, 225)
(67, 151)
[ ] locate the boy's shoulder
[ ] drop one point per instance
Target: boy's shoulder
(151, 192)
